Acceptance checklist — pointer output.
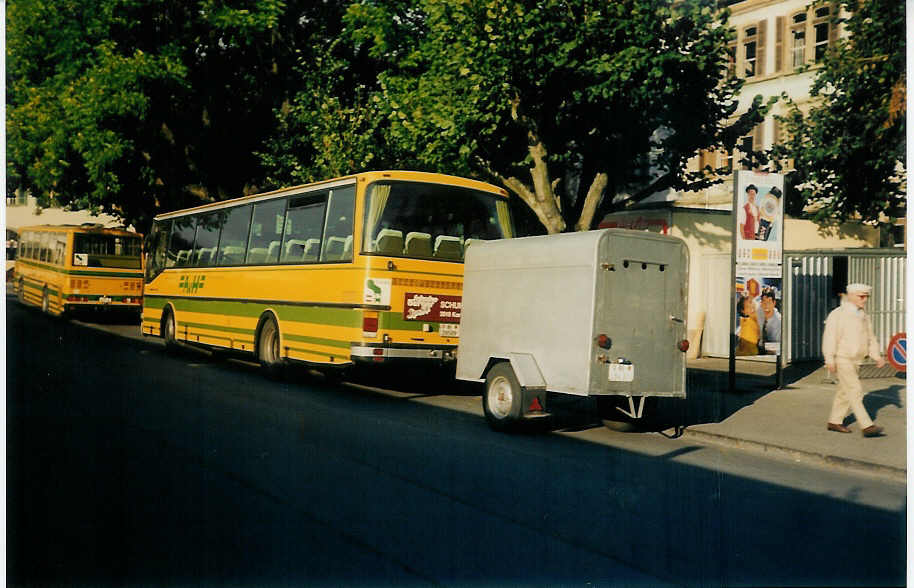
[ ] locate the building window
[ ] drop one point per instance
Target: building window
(731, 59)
(750, 45)
(798, 35)
(821, 27)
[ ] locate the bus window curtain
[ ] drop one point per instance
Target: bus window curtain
(504, 219)
(376, 203)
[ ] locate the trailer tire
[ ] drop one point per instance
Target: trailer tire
(502, 398)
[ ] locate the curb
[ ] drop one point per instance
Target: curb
(848, 464)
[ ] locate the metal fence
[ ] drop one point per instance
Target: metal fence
(814, 280)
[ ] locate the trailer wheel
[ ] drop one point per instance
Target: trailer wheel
(502, 399)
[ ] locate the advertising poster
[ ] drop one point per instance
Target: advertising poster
(758, 249)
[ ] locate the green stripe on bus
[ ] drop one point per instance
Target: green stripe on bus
(339, 317)
(318, 341)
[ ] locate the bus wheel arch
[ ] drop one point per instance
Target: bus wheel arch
(267, 345)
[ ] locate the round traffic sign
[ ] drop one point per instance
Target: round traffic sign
(897, 351)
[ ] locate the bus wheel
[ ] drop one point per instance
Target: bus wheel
(268, 349)
(501, 401)
(20, 292)
(45, 302)
(168, 331)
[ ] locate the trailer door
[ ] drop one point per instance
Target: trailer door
(641, 306)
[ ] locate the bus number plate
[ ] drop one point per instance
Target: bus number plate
(449, 329)
(105, 299)
(621, 372)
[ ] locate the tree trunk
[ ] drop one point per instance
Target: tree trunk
(591, 201)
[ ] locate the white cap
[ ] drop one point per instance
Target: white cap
(858, 289)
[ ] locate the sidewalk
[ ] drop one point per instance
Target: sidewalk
(790, 422)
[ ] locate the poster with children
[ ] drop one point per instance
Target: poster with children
(758, 248)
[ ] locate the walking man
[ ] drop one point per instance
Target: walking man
(849, 338)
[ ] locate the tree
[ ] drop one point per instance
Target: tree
(848, 151)
(576, 106)
(138, 106)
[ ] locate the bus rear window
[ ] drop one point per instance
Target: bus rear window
(107, 251)
(431, 221)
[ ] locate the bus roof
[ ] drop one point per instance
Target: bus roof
(366, 177)
(83, 228)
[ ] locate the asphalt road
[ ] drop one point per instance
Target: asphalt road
(127, 466)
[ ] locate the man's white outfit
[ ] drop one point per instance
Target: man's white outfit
(847, 340)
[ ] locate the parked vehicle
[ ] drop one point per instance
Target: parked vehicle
(598, 313)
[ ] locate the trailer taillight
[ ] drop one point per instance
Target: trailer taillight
(683, 345)
(604, 342)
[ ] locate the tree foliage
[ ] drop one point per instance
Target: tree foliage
(848, 150)
(138, 106)
(577, 106)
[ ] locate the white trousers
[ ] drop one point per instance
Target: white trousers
(849, 395)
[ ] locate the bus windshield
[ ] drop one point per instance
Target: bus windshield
(107, 251)
(431, 221)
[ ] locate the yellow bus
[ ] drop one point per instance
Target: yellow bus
(365, 268)
(72, 267)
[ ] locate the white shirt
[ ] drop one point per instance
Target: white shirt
(849, 335)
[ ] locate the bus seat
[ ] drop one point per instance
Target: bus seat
(294, 250)
(448, 247)
(231, 255)
(389, 241)
(183, 257)
(273, 252)
(347, 248)
(418, 244)
(204, 256)
(257, 255)
(312, 250)
(335, 247)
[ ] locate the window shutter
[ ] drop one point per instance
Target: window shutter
(760, 48)
(758, 135)
(780, 33)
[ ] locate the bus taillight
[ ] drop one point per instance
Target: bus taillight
(370, 324)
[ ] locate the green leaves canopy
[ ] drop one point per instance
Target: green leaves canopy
(849, 149)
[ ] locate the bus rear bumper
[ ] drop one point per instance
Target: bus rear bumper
(382, 352)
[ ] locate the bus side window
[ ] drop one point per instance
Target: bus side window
(303, 227)
(157, 241)
(233, 238)
(338, 232)
(266, 227)
(207, 238)
(182, 242)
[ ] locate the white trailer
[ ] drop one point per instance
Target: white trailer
(597, 313)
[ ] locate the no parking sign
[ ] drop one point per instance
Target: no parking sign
(897, 351)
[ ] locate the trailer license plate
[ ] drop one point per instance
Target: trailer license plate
(449, 329)
(621, 372)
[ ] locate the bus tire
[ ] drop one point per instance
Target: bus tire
(268, 351)
(502, 398)
(168, 331)
(45, 301)
(20, 292)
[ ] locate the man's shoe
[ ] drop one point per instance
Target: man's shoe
(838, 428)
(872, 431)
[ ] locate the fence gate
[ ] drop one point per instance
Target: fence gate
(814, 281)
